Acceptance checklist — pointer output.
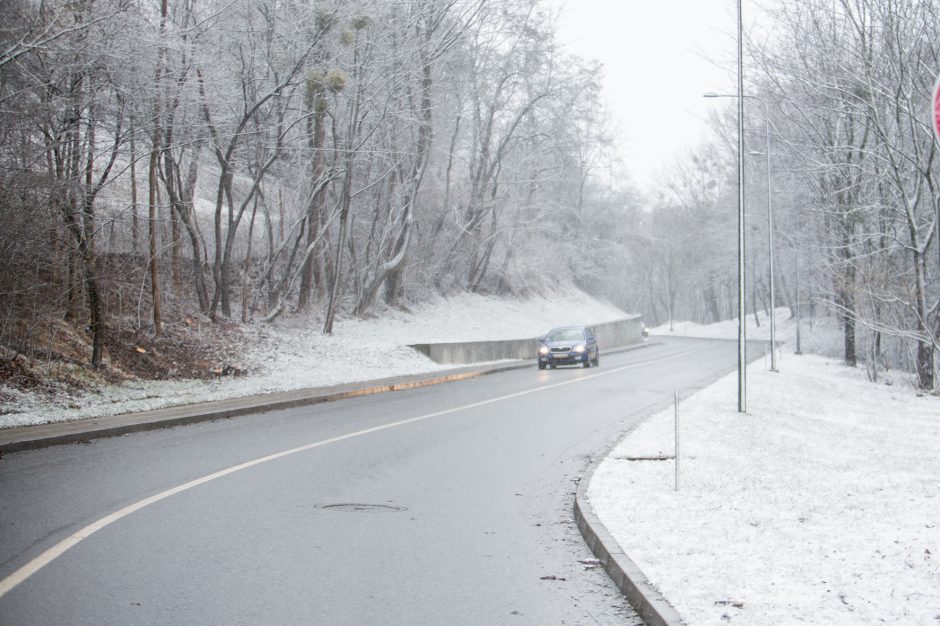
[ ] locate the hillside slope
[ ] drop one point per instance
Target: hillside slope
(292, 353)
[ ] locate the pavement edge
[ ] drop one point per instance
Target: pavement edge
(23, 438)
(651, 606)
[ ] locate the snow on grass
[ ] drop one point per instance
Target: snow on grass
(821, 505)
(474, 317)
(293, 354)
(818, 334)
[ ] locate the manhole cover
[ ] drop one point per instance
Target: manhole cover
(362, 508)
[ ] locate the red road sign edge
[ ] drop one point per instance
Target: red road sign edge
(935, 108)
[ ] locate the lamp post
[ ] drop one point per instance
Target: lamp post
(742, 322)
(770, 246)
(798, 296)
(770, 224)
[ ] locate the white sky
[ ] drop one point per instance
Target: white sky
(659, 58)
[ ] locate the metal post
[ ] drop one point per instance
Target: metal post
(798, 299)
(742, 322)
(676, 404)
(770, 245)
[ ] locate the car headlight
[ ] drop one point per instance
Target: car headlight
(543, 350)
(579, 348)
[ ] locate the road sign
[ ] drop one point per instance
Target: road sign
(935, 108)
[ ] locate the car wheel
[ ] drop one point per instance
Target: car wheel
(552, 366)
(597, 358)
(541, 365)
(587, 364)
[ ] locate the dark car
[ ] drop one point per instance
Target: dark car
(569, 345)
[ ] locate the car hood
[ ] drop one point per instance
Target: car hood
(562, 344)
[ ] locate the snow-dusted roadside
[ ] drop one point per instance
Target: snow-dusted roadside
(819, 335)
(293, 354)
(821, 505)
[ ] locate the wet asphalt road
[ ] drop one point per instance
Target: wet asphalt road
(463, 516)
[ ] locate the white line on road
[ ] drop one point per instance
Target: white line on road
(24, 572)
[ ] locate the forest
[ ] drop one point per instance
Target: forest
(242, 160)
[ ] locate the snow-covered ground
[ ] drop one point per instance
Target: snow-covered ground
(821, 505)
(818, 334)
(293, 354)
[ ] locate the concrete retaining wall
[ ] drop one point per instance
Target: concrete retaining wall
(609, 335)
(620, 332)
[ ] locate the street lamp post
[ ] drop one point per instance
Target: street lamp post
(770, 225)
(770, 242)
(770, 248)
(798, 296)
(742, 322)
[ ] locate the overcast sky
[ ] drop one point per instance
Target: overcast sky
(659, 58)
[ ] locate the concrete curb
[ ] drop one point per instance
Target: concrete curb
(651, 606)
(21, 438)
(80, 431)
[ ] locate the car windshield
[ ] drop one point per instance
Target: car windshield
(565, 334)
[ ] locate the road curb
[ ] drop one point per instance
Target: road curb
(22, 438)
(651, 606)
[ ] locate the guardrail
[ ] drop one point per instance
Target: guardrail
(614, 334)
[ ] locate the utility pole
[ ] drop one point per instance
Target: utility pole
(742, 322)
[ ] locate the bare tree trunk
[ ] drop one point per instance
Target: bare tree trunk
(395, 269)
(346, 197)
(846, 303)
(246, 267)
(95, 305)
(152, 183)
(87, 244)
(80, 214)
(153, 235)
(176, 259)
(333, 302)
(181, 195)
(711, 296)
(71, 171)
(318, 198)
(135, 220)
(925, 347)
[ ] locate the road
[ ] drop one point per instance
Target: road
(446, 504)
